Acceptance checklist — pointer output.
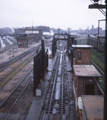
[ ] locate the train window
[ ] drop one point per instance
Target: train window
(79, 55)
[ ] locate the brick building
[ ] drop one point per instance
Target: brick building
(33, 34)
(85, 76)
(22, 40)
(27, 35)
(82, 54)
(84, 81)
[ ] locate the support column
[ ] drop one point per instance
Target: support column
(43, 51)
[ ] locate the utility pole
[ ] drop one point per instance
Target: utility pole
(58, 36)
(100, 7)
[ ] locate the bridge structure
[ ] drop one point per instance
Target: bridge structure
(70, 40)
(63, 36)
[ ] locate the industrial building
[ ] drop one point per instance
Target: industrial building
(26, 36)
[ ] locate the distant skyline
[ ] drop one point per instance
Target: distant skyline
(62, 14)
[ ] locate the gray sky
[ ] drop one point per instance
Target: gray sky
(54, 13)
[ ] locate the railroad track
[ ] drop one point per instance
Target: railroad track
(6, 64)
(9, 75)
(8, 104)
(56, 103)
(47, 109)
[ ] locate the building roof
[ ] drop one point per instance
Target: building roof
(93, 105)
(86, 71)
(82, 46)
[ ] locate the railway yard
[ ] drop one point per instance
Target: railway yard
(53, 60)
(16, 85)
(16, 78)
(55, 97)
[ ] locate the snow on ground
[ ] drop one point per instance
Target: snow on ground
(48, 33)
(7, 40)
(12, 30)
(11, 38)
(52, 33)
(49, 51)
(37, 43)
(2, 43)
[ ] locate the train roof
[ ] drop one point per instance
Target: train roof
(86, 71)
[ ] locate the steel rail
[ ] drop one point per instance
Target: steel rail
(15, 59)
(62, 86)
(16, 87)
(49, 100)
(6, 64)
(53, 72)
(8, 114)
(56, 72)
(47, 91)
(14, 68)
(5, 117)
(17, 70)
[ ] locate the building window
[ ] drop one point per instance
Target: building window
(79, 55)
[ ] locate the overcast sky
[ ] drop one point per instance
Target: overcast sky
(54, 13)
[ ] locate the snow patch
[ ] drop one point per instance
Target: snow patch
(11, 38)
(2, 43)
(7, 40)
